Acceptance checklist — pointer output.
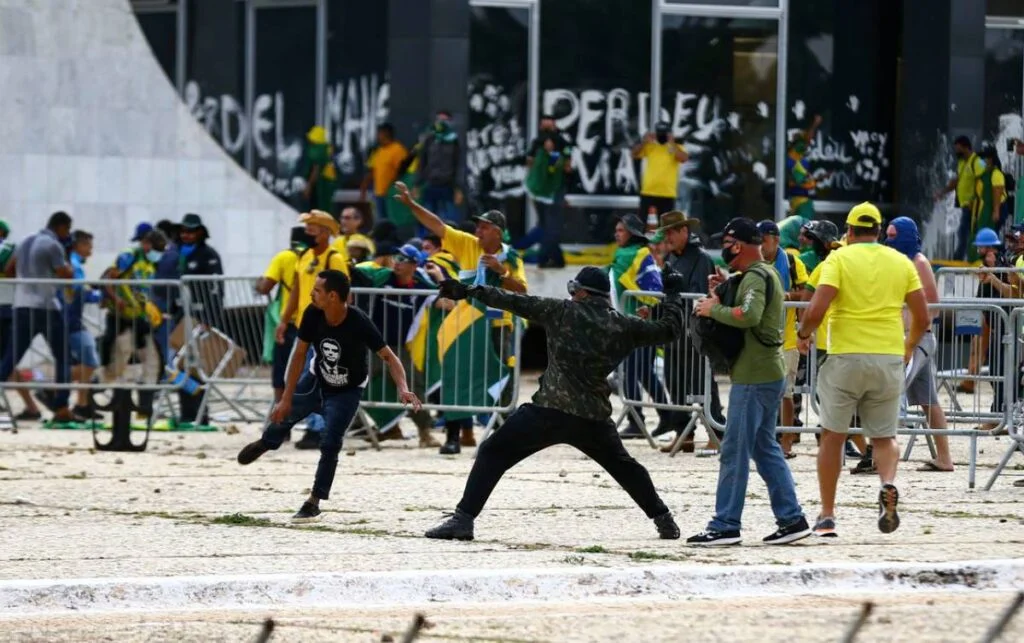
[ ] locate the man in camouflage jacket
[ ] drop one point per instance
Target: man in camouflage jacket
(586, 340)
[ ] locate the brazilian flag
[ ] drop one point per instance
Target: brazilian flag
(471, 371)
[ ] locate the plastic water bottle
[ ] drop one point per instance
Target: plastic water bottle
(183, 381)
(652, 219)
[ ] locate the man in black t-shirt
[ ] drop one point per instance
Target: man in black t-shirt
(341, 338)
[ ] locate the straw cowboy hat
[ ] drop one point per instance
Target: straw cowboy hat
(321, 218)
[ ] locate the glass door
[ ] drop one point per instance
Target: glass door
(502, 94)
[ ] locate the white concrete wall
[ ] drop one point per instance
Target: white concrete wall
(90, 124)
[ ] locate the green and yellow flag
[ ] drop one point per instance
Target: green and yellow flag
(471, 370)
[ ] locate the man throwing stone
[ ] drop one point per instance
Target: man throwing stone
(586, 340)
(866, 285)
(342, 338)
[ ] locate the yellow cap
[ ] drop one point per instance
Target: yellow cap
(316, 135)
(864, 215)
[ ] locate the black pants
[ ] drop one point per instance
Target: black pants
(533, 428)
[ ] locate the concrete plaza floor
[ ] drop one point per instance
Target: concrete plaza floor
(185, 508)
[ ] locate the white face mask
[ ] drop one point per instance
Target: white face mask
(154, 256)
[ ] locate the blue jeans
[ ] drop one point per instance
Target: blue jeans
(29, 322)
(380, 204)
(638, 370)
(338, 411)
(440, 200)
(750, 433)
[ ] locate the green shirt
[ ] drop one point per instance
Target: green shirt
(757, 363)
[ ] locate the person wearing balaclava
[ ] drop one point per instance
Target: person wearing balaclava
(920, 385)
(659, 186)
(439, 157)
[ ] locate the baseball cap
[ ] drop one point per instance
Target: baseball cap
(864, 215)
(141, 230)
(493, 217)
(591, 279)
(768, 227)
(409, 253)
(659, 236)
(742, 229)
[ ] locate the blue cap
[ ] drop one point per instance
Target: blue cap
(987, 237)
(408, 252)
(141, 230)
(768, 227)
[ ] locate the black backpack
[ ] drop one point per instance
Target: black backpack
(720, 343)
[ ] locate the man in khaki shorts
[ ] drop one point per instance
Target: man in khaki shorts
(866, 285)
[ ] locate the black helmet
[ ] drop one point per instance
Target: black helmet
(591, 279)
(824, 232)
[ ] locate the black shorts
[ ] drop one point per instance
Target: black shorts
(661, 205)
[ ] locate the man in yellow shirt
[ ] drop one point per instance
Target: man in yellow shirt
(383, 167)
(866, 285)
(660, 185)
(320, 227)
(351, 236)
(281, 273)
(969, 168)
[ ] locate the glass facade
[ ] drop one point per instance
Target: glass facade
(717, 79)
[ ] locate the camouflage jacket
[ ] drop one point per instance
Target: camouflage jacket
(586, 341)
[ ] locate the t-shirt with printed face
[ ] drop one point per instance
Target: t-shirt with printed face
(342, 360)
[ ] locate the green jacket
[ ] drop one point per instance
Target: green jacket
(762, 323)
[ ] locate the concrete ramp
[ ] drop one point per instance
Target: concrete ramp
(90, 124)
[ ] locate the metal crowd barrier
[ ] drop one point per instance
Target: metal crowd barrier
(993, 329)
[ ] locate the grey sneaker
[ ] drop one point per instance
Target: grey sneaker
(825, 527)
(458, 526)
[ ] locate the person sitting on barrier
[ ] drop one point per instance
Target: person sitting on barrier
(866, 285)
(633, 268)
(31, 410)
(921, 388)
(320, 227)
(395, 316)
(341, 338)
(130, 309)
(996, 284)
(280, 273)
(758, 381)
(586, 340)
(793, 276)
(36, 308)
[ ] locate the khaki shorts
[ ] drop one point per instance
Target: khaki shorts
(792, 361)
(869, 385)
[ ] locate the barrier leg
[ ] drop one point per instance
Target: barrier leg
(1014, 447)
(910, 448)
(492, 425)
(688, 430)
(121, 406)
(972, 463)
(643, 427)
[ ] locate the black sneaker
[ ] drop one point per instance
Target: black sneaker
(307, 513)
(851, 450)
(790, 533)
(451, 447)
(667, 527)
(712, 538)
(458, 526)
(866, 465)
(632, 431)
(28, 416)
(88, 412)
(310, 440)
(888, 519)
(251, 452)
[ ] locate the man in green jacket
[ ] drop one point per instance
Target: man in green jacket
(758, 379)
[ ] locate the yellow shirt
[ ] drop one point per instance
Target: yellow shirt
(967, 172)
(661, 176)
(872, 281)
(384, 163)
(821, 339)
(308, 267)
(282, 270)
(466, 249)
(799, 280)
